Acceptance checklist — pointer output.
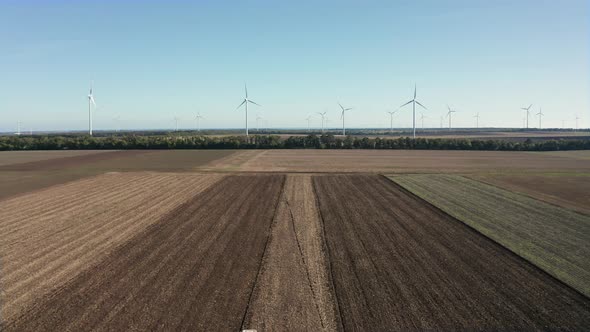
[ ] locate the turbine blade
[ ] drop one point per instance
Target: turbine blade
(406, 103)
(250, 101)
(241, 104)
(348, 109)
(340, 106)
(246, 89)
(414, 90)
(424, 107)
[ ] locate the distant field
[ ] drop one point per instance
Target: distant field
(19, 157)
(398, 161)
(569, 190)
(555, 239)
(29, 175)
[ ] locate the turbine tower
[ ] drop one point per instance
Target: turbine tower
(577, 118)
(258, 118)
(391, 113)
(18, 123)
(245, 102)
(342, 117)
(91, 103)
(116, 120)
(477, 120)
(176, 122)
(540, 114)
(450, 115)
(308, 121)
(422, 119)
(527, 114)
(414, 102)
(323, 119)
(198, 118)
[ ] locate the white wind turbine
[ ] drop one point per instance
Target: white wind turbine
(198, 118)
(577, 118)
(91, 103)
(308, 122)
(18, 123)
(414, 102)
(117, 124)
(477, 120)
(245, 102)
(176, 122)
(258, 118)
(391, 114)
(342, 117)
(527, 114)
(450, 115)
(422, 119)
(323, 120)
(540, 114)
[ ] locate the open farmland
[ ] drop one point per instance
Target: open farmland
(192, 240)
(397, 161)
(20, 175)
(555, 239)
(568, 190)
(400, 263)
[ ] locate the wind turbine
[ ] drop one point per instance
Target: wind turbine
(176, 122)
(540, 114)
(258, 118)
(477, 120)
(391, 113)
(245, 102)
(414, 102)
(323, 119)
(198, 118)
(577, 118)
(422, 119)
(308, 120)
(116, 120)
(91, 103)
(527, 114)
(18, 123)
(441, 121)
(450, 115)
(342, 117)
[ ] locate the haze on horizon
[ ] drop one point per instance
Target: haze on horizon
(152, 61)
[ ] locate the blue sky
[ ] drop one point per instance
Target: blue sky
(151, 61)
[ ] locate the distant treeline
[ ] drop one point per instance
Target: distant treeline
(275, 142)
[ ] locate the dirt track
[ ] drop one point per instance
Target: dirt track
(192, 270)
(400, 264)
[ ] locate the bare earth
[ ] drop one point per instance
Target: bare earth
(19, 157)
(397, 161)
(50, 236)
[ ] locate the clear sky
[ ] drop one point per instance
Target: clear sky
(153, 60)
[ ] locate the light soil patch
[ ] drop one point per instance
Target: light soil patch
(50, 236)
(294, 289)
(19, 157)
(569, 190)
(555, 239)
(233, 161)
(406, 161)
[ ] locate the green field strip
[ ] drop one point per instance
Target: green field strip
(555, 239)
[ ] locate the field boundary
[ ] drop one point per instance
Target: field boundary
(526, 261)
(521, 193)
(261, 261)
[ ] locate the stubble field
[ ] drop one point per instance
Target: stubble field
(200, 240)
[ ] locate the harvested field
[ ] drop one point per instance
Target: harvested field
(50, 236)
(401, 264)
(19, 157)
(570, 190)
(294, 289)
(397, 161)
(21, 178)
(555, 239)
(194, 269)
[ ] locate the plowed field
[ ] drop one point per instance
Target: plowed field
(401, 264)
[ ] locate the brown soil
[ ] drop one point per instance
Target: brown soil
(192, 270)
(294, 290)
(569, 191)
(50, 236)
(19, 157)
(399, 161)
(400, 264)
(67, 162)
